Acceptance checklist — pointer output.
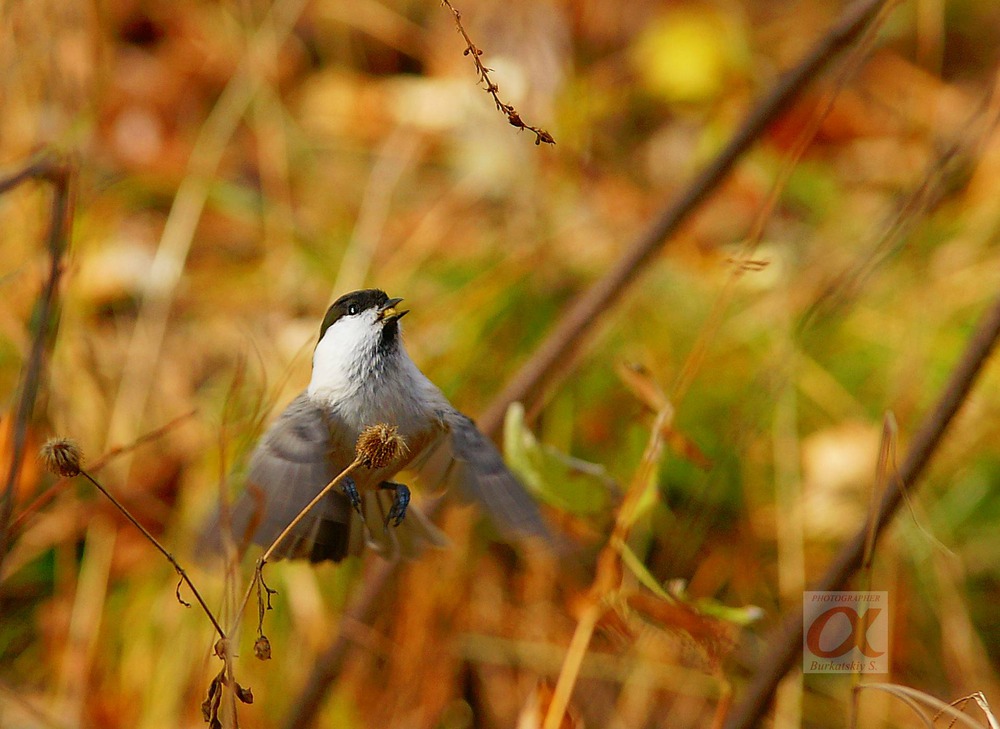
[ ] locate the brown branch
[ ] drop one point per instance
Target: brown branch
(579, 320)
(44, 498)
(307, 704)
(258, 575)
(376, 447)
(62, 456)
(59, 173)
(491, 88)
(787, 640)
(583, 315)
(163, 550)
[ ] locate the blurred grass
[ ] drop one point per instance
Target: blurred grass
(488, 238)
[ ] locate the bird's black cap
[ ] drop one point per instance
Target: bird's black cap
(353, 303)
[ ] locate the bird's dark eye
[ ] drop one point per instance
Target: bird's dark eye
(352, 309)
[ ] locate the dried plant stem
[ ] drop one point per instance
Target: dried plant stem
(491, 88)
(256, 581)
(917, 700)
(59, 173)
(302, 514)
(170, 558)
(570, 671)
(786, 642)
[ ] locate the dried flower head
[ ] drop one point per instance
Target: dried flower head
(379, 445)
(62, 456)
(262, 648)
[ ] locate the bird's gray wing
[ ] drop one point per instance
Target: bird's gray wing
(480, 474)
(288, 468)
(291, 464)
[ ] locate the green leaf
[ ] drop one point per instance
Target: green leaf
(568, 483)
(631, 560)
(741, 616)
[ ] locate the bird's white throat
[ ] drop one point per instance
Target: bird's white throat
(366, 382)
(344, 357)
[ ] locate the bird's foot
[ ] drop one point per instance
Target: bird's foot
(351, 492)
(400, 501)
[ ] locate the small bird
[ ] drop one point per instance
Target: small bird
(363, 376)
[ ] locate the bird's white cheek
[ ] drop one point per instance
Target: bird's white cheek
(339, 359)
(330, 375)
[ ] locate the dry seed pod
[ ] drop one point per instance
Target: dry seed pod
(379, 445)
(62, 456)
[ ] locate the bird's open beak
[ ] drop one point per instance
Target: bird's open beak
(389, 313)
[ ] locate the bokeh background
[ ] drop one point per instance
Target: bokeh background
(240, 164)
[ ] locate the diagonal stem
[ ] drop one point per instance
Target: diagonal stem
(60, 174)
(163, 550)
(787, 640)
(586, 310)
(284, 533)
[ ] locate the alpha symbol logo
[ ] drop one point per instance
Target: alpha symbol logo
(845, 632)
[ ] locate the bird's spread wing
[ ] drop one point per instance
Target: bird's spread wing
(292, 464)
(481, 475)
(287, 469)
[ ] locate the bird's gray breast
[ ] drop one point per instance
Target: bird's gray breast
(383, 398)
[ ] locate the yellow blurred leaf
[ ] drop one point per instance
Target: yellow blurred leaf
(687, 55)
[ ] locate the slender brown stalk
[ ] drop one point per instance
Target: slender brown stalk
(60, 174)
(377, 446)
(163, 550)
(508, 110)
(257, 577)
(302, 514)
(786, 642)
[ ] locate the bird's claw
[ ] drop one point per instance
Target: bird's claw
(351, 492)
(400, 501)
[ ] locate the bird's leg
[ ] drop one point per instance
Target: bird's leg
(351, 492)
(400, 501)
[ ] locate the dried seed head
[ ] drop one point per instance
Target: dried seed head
(379, 445)
(262, 648)
(62, 456)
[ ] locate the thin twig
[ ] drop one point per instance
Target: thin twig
(302, 514)
(491, 88)
(54, 490)
(60, 173)
(787, 640)
(155, 542)
(269, 552)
